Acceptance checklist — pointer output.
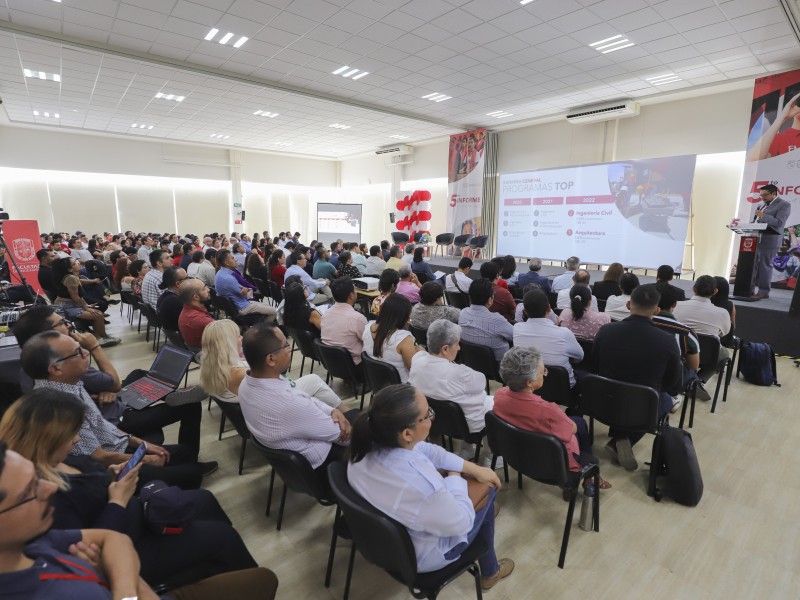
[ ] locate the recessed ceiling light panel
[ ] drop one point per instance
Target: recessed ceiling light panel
(264, 113)
(347, 72)
(611, 44)
(226, 37)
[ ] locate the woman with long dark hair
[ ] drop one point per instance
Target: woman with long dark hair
(388, 339)
(276, 266)
(387, 284)
(419, 266)
(297, 313)
(69, 297)
(609, 286)
(393, 468)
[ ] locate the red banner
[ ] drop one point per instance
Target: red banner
(22, 241)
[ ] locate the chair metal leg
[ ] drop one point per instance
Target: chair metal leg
(567, 526)
(312, 365)
(519, 478)
(209, 404)
(729, 371)
(691, 412)
(476, 574)
(505, 469)
(478, 447)
(596, 504)
(720, 375)
(683, 409)
(349, 572)
(332, 552)
(283, 504)
(221, 427)
(269, 496)
(241, 455)
(302, 365)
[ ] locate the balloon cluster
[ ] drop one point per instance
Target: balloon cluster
(414, 212)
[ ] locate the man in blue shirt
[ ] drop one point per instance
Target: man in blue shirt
(533, 276)
(318, 290)
(229, 287)
(334, 255)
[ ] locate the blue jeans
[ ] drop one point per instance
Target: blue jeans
(483, 526)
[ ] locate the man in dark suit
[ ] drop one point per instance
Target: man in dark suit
(774, 212)
(533, 276)
(636, 351)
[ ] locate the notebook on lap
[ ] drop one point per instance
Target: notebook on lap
(164, 377)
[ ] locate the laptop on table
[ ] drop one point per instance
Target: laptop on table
(164, 377)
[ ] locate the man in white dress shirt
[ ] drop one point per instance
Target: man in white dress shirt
(564, 281)
(702, 316)
(581, 277)
(459, 281)
(617, 306)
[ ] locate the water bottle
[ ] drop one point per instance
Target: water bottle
(586, 520)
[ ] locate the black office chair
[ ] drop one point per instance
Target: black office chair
(304, 338)
(552, 297)
(450, 423)
(625, 406)
(457, 299)
(443, 241)
(297, 475)
(379, 373)
(175, 338)
(399, 238)
(459, 242)
(226, 305)
(588, 363)
(481, 359)
(263, 289)
(420, 335)
(384, 542)
(152, 321)
(556, 387)
(128, 299)
(417, 240)
(275, 292)
(422, 278)
(541, 457)
(477, 244)
(711, 363)
(339, 363)
(233, 412)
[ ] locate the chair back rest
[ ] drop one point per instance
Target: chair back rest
(151, 314)
(380, 539)
(450, 419)
(462, 240)
(540, 456)
(398, 237)
(556, 386)
(233, 412)
(275, 291)
(175, 338)
(418, 236)
(337, 361)
(262, 286)
(96, 268)
(226, 305)
(588, 363)
(294, 470)
(709, 350)
(479, 358)
(621, 404)
(457, 299)
(444, 239)
(126, 296)
(305, 341)
(478, 241)
(601, 304)
(380, 374)
(420, 335)
(422, 278)
(553, 298)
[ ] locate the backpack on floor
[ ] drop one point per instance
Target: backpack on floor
(757, 364)
(684, 483)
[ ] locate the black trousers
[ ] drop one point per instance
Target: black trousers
(182, 469)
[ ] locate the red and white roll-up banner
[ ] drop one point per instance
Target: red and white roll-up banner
(465, 183)
(22, 240)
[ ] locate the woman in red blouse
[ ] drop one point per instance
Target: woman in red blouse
(277, 266)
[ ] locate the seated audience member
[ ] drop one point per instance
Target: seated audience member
(159, 261)
(534, 277)
(276, 266)
(564, 281)
(609, 286)
(282, 416)
(458, 282)
(342, 325)
(666, 274)
(323, 268)
(297, 312)
(523, 372)
(334, 255)
(359, 260)
(617, 306)
(177, 255)
(481, 326)
(503, 303)
(194, 316)
(395, 258)
(700, 314)
(556, 345)
(431, 307)
(636, 351)
(579, 318)
(393, 468)
(408, 285)
(388, 339)
(47, 282)
(119, 270)
(237, 250)
(186, 255)
(228, 284)
(408, 255)
(688, 344)
(346, 266)
(223, 367)
(318, 290)
(375, 262)
(58, 362)
(169, 304)
(201, 269)
(519, 313)
(78, 252)
(44, 425)
(581, 277)
(255, 268)
(437, 376)
(89, 563)
(722, 299)
(387, 284)
(508, 269)
(138, 270)
(69, 297)
(383, 249)
(419, 265)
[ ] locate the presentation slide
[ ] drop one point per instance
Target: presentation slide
(338, 221)
(635, 212)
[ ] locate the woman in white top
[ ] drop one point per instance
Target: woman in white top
(393, 468)
(437, 376)
(387, 339)
(581, 321)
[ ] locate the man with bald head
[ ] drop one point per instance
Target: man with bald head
(194, 317)
(581, 277)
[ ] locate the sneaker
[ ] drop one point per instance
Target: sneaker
(506, 568)
(188, 395)
(701, 393)
(676, 404)
(487, 462)
(625, 454)
(207, 468)
(108, 341)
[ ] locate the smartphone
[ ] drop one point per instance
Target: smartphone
(134, 460)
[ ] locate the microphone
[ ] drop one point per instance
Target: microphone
(758, 208)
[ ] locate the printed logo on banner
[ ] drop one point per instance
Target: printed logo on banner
(24, 249)
(748, 244)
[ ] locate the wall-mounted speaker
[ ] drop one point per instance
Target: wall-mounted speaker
(391, 217)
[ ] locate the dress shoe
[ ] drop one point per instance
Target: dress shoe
(758, 296)
(625, 454)
(207, 468)
(506, 567)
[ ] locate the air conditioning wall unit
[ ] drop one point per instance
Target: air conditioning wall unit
(607, 111)
(395, 150)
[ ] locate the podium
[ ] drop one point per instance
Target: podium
(746, 265)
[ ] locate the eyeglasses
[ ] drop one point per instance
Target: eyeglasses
(429, 416)
(79, 352)
(284, 347)
(26, 500)
(65, 323)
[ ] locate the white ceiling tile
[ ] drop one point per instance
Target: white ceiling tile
(670, 9)
(457, 21)
(739, 8)
(427, 10)
(516, 21)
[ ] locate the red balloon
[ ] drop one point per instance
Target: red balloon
(401, 205)
(424, 195)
